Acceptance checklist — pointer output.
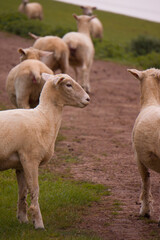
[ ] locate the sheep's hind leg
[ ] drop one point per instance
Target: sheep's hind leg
(145, 196)
(31, 175)
(22, 196)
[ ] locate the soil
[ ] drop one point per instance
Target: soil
(98, 138)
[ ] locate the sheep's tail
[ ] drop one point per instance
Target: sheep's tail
(36, 76)
(33, 36)
(72, 49)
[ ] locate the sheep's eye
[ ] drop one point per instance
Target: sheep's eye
(68, 85)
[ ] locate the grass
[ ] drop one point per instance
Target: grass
(62, 205)
(119, 30)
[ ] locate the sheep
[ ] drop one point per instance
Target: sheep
(81, 49)
(57, 46)
(32, 10)
(28, 138)
(24, 83)
(46, 57)
(96, 27)
(146, 133)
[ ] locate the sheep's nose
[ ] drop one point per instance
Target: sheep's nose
(88, 99)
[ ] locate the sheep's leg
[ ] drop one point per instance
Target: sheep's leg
(76, 73)
(23, 101)
(22, 196)
(85, 78)
(31, 175)
(145, 196)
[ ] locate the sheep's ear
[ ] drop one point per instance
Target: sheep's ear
(22, 51)
(94, 8)
(75, 16)
(55, 78)
(47, 77)
(137, 74)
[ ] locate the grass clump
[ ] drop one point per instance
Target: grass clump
(62, 204)
(143, 45)
(19, 24)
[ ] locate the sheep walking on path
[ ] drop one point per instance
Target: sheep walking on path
(81, 50)
(146, 132)
(24, 83)
(27, 137)
(57, 46)
(32, 10)
(96, 27)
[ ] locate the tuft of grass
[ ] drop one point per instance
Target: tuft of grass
(62, 204)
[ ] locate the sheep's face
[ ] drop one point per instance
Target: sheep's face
(87, 10)
(69, 92)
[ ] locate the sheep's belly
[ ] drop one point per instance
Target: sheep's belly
(11, 162)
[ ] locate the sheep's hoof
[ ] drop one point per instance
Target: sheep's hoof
(146, 215)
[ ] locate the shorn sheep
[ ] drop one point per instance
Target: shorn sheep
(32, 10)
(81, 50)
(24, 83)
(57, 46)
(146, 132)
(28, 138)
(46, 57)
(96, 27)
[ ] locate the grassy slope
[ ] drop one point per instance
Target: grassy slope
(118, 29)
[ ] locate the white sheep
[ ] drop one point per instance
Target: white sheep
(146, 132)
(46, 57)
(57, 46)
(28, 138)
(96, 27)
(32, 10)
(81, 50)
(24, 83)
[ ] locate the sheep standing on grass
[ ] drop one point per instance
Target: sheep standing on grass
(57, 46)
(146, 132)
(28, 137)
(81, 50)
(24, 83)
(32, 10)
(96, 27)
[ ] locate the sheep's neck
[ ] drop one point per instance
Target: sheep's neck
(150, 94)
(51, 111)
(83, 28)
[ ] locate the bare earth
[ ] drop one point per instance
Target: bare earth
(98, 138)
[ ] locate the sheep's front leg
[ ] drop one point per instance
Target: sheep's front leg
(22, 196)
(145, 196)
(31, 175)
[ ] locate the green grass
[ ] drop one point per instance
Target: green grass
(62, 204)
(118, 29)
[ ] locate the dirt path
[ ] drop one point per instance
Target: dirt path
(99, 140)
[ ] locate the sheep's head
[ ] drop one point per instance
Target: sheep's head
(27, 53)
(68, 91)
(46, 57)
(83, 18)
(25, 1)
(150, 84)
(87, 10)
(149, 73)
